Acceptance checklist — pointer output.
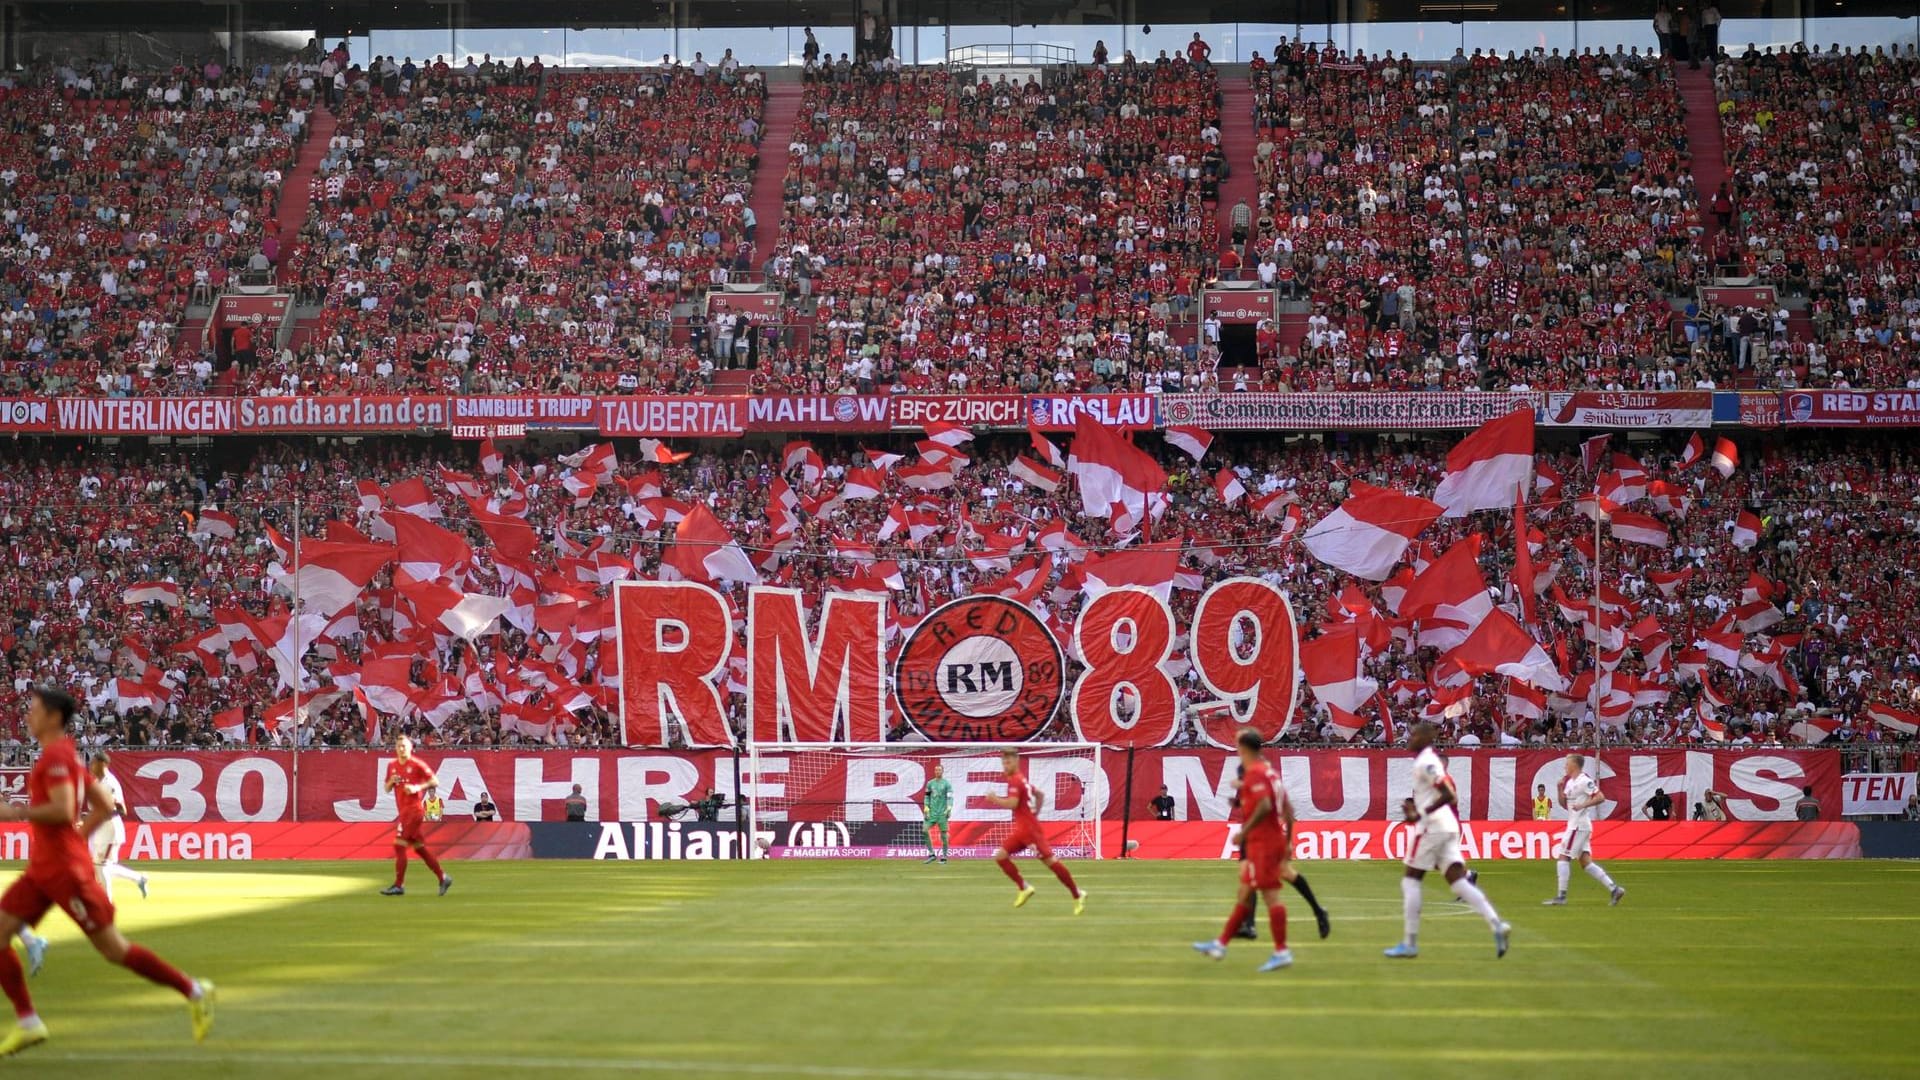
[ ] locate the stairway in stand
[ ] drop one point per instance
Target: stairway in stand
(1237, 140)
(770, 171)
(1704, 142)
(297, 191)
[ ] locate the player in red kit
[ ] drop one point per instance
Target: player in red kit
(1266, 833)
(64, 807)
(409, 778)
(1025, 800)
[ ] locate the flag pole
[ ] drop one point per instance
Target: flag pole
(298, 721)
(1599, 635)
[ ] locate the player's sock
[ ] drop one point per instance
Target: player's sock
(142, 962)
(1066, 877)
(928, 834)
(1277, 920)
(1477, 900)
(1599, 875)
(1241, 912)
(399, 866)
(945, 838)
(1306, 892)
(1565, 870)
(1012, 871)
(433, 864)
(13, 980)
(1410, 907)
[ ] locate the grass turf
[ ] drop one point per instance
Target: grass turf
(870, 970)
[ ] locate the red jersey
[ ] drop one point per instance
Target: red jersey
(59, 848)
(1024, 812)
(1259, 785)
(410, 771)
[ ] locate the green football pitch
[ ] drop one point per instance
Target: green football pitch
(872, 970)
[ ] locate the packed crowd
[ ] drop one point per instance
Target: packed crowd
(1833, 557)
(1823, 153)
(998, 236)
(1476, 223)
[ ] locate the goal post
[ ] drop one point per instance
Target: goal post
(850, 800)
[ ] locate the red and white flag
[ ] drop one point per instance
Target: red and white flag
(1034, 473)
(1110, 471)
(130, 694)
(949, 435)
(925, 477)
(1756, 617)
(426, 550)
(232, 724)
(1342, 724)
(491, 459)
(704, 551)
(660, 454)
(801, 455)
(1488, 469)
(1814, 729)
(1226, 484)
(1449, 598)
(862, 484)
(331, 575)
(1151, 567)
(1707, 708)
(1525, 702)
(1366, 535)
(1670, 581)
(1639, 529)
(1592, 451)
(1044, 447)
(1904, 722)
(151, 592)
(1192, 441)
(1721, 643)
(1696, 448)
(215, 523)
(882, 460)
(1725, 457)
(1330, 663)
(1502, 645)
(1746, 530)
(412, 496)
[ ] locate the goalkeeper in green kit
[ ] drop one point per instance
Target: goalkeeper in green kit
(937, 801)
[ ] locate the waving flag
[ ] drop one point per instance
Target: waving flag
(1670, 582)
(1032, 472)
(331, 575)
(1525, 702)
(412, 496)
(1342, 724)
(1151, 567)
(1489, 468)
(1330, 662)
(657, 452)
(1591, 451)
(1449, 598)
(1043, 446)
(232, 724)
(949, 435)
(491, 460)
(1746, 530)
(1227, 485)
(215, 523)
(1725, 457)
(704, 551)
(1366, 535)
(1639, 529)
(1696, 448)
(1192, 440)
(862, 484)
(151, 592)
(1109, 471)
(1502, 645)
(1906, 723)
(426, 550)
(1814, 729)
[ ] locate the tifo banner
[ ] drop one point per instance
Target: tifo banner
(1483, 841)
(1597, 409)
(631, 785)
(1875, 793)
(236, 842)
(1315, 411)
(1848, 408)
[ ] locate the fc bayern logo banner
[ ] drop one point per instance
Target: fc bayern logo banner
(980, 669)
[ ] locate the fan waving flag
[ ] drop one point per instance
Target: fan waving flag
(1330, 663)
(1366, 535)
(1034, 473)
(1449, 598)
(1488, 468)
(1591, 451)
(704, 551)
(1228, 486)
(1746, 530)
(1725, 457)
(1192, 441)
(426, 550)
(1504, 646)
(949, 435)
(1110, 471)
(331, 575)
(232, 724)
(1696, 448)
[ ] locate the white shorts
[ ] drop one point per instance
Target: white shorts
(1434, 850)
(106, 842)
(1575, 842)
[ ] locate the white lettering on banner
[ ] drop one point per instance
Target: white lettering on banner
(1766, 776)
(918, 412)
(819, 410)
(1875, 793)
(1686, 787)
(210, 844)
(893, 781)
(1500, 793)
(1186, 779)
(23, 412)
(180, 785)
(970, 792)
(229, 792)
(383, 807)
(758, 785)
(146, 416)
(688, 416)
(531, 410)
(612, 843)
(531, 788)
(460, 784)
(16, 849)
(1113, 410)
(1296, 775)
(338, 414)
(639, 794)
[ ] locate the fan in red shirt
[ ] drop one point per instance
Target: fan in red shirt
(1024, 800)
(1266, 832)
(60, 873)
(409, 778)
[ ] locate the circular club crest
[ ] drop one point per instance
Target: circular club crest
(980, 669)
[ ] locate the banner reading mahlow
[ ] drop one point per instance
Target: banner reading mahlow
(1631, 409)
(1386, 411)
(1330, 787)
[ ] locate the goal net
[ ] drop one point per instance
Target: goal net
(866, 800)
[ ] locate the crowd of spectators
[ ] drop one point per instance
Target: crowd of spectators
(1480, 222)
(1823, 151)
(999, 236)
(1839, 524)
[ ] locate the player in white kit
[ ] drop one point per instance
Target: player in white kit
(1579, 793)
(1436, 846)
(106, 840)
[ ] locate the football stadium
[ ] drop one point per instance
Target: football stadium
(865, 539)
